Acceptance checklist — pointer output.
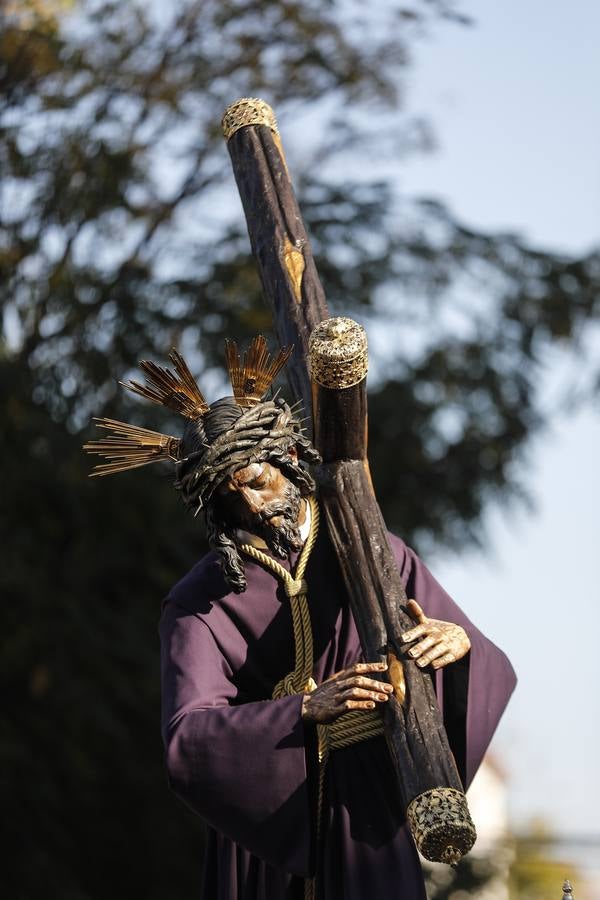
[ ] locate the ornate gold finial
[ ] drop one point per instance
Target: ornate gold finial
(248, 111)
(251, 379)
(441, 825)
(129, 447)
(338, 353)
(176, 390)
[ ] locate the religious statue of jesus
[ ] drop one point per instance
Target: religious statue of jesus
(262, 665)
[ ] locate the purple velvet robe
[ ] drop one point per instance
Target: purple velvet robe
(246, 763)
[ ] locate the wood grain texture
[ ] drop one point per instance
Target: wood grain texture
(414, 731)
(277, 235)
(340, 421)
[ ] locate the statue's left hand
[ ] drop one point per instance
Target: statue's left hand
(442, 642)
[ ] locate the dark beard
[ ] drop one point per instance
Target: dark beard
(283, 538)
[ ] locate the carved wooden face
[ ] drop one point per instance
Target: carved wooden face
(261, 500)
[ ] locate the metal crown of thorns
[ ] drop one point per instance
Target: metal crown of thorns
(129, 446)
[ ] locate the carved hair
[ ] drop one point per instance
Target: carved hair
(228, 438)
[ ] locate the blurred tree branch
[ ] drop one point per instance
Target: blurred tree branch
(121, 234)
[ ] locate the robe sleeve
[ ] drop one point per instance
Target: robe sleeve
(473, 693)
(241, 767)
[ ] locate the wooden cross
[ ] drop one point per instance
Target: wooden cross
(415, 734)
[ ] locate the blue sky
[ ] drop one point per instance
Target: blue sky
(515, 104)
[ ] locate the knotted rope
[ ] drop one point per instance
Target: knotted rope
(300, 681)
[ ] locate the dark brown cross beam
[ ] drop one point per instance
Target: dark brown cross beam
(416, 738)
(277, 234)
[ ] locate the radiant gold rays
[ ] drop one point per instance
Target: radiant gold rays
(129, 447)
(251, 379)
(176, 390)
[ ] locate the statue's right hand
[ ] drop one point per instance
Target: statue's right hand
(351, 688)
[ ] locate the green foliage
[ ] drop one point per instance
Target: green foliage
(529, 865)
(121, 237)
(80, 753)
(539, 868)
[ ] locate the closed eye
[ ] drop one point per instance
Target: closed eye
(258, 483)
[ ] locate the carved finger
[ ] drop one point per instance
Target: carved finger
(456, 636)
(416, 612)
(363, 694)
(432, 654)
(359, 704)
(439, 650)
(358, 668)
(369, 683)
(414, 633)
(444, 660)
(430, 641)
(365, 681)
(360, 681)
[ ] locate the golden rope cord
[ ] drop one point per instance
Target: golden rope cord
(300, 680)
(355, 725)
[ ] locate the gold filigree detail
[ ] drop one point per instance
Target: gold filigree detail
(248, 111)
(441, 825)
(338, 353)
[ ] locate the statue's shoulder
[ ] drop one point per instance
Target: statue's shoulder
(198, 590)
(398, 546)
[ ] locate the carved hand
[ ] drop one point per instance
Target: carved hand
(443, 642)
(349, 689)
